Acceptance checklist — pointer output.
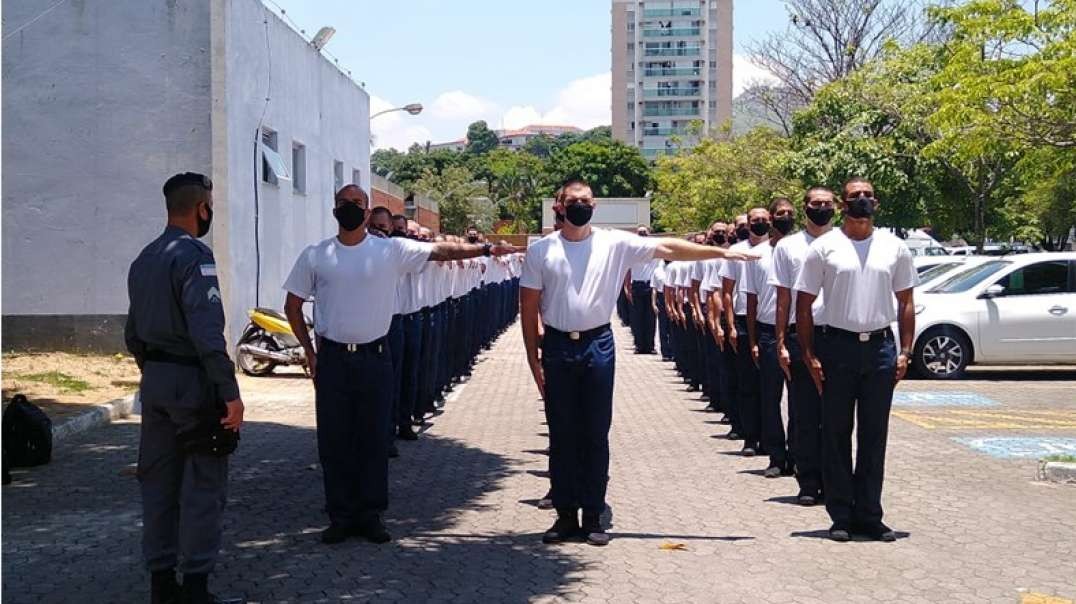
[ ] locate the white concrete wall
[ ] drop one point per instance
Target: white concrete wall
(311, 102)
(102, 101)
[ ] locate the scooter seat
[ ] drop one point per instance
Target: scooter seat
(272, 313)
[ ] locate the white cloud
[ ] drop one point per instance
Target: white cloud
(396, 129)
(458, 105)
(745, 74)
(584, 103)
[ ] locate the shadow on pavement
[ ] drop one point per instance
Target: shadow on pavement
(73, 527)
(824, 534)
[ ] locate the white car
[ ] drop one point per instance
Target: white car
(933, 270)
(1004, 310)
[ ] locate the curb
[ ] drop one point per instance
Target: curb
(1058, 471)
(98, 415)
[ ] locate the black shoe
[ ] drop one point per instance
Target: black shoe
(373, 530)
(747, 451)
(877, 532)
(593, 531)
(546, 502)
(807, 499)
(564, 529)
(336, 533)
(163, 588)
(196, 591)
(733, 436)
(724, 421)
(839, 532)
(407, 433)
(772, 472)
(393, 451)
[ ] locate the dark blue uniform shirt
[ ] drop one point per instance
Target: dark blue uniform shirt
(176, 307)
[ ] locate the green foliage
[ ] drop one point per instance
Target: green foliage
(459, 198)
(480, 139)
(516, 185)
(612, 168)
(719, 178)
(65, 383)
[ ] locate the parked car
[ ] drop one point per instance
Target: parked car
(1017, 309)
(932, 273)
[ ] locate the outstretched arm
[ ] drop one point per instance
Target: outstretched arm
(675, 249)
(444, 250)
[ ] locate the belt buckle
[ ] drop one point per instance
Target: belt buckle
(573, 335)
(864, 337)
(352, 347)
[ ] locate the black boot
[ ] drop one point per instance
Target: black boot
(564, 529)
(196, 591)
(163, 588)
(593, 531)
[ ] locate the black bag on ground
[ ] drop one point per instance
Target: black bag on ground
(27, 434)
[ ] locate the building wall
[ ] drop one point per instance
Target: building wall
(312, 103)
(102, 101)
(393, 203)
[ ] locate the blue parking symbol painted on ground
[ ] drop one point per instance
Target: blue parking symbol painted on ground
(941, 399)
(1021, 447)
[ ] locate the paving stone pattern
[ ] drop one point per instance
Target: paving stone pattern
(975, 528)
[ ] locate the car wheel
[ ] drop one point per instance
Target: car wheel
(942, 353)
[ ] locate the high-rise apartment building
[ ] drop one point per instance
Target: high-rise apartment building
(672, 68)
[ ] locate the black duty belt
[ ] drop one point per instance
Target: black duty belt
(160, 356)
(863, 336)
(578, 335)
(377, 345)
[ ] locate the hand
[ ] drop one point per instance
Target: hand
(741, 256)
(627, 294)
(311, 362)
(539, 375)
(734, 339)
(902, 367)
(719, 337)
(815, 367)
(754, 354)
(655, 309)
(234, 417)
(504, 250)
(784, 360)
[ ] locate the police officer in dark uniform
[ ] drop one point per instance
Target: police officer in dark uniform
(175, 331)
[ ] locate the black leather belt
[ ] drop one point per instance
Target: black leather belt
(863, 336)
(578, 335)
(160, 356)
(377, 345)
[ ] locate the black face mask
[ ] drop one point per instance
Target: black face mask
(783, 224)
(398, 233)
(720, 239)
(742, 233)
(860, 207)
(350, 216)
(203, 225)
(819, 216)
(472, 239)
(579, 213)
(760, 229)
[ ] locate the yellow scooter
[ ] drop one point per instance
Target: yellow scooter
(268, 342)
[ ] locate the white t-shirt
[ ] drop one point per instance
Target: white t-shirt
(756, 280)
(580, 280)
(657, 278)
(859, 293)
(712, 277)
(788, 257)
(643, 272)
(347, 283)
(733, 270)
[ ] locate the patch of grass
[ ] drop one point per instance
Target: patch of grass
(1064, 457)
(57, 379)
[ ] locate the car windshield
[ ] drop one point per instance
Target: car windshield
(967, 279)
(933, 272)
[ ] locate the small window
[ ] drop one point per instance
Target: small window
(298, 168)
(1041, 278)
(338, 176)
(273, 167)
(356, 177)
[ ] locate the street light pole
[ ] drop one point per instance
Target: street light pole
(413, 109)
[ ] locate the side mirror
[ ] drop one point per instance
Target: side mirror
(993, 291)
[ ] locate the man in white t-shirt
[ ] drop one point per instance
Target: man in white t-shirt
(657, 289)
(859, 269)
(762, 333)
(351, 367)
(643, 319)
(571, 279)
(746, 406)
(713, 333)
(804, 401)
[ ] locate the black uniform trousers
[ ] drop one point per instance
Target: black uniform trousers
(729, 385)
(664, 329)
(747, 387)
(183, 495)
(806, 403)
(353, 400)
(771, 388)
(858, 389)
(643, 320)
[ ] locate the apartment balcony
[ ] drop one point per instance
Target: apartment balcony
(672, 52)
(665, 132)
(679, 32)
(671, 12)
(672, 72)
(655, 153)
(671, 92)
(671, 111)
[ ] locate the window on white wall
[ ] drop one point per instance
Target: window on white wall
(356, 177)
(273, 167)
(298, 168)
(338, 176)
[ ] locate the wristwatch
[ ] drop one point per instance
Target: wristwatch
(487, 249)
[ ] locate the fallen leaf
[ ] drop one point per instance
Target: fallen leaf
(679, 547)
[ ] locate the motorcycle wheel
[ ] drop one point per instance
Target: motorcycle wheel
(248, 363)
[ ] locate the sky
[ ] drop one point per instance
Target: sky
(509, 62)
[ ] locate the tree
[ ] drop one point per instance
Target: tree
(719, 178)
(516, 186)
(480, 139)
(612, 168)
(458, 196)
(825, 41)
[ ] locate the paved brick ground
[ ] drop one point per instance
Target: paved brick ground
(978, 529)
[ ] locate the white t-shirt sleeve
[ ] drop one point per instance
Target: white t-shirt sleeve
(531, 274)
(783, 269)
(750, 275)
(636, 249)
(411, 255)
(698, 271)
(810, 278)
(904, 274)
(300, 281)
(730, 269)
